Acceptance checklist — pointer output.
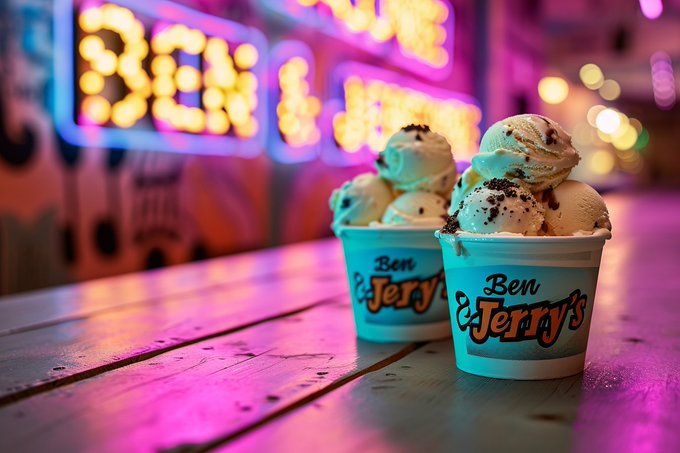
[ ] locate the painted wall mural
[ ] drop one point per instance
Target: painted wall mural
(136, 135)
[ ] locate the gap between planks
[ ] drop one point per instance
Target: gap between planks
(92, 372)
(221, 441)
(152, 300)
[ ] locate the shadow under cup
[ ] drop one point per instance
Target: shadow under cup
(397, 283)
(521, 306)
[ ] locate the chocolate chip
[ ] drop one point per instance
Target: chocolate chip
(460, 183)
(452, 224)
(501, 185)
(550, 136)
(421, 211)
(345, 203)
(380, 162)
(416, 127)
(493, 213)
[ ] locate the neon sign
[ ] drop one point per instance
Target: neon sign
(377, 103)
(297, 110)
(199, 82)
(416, 35)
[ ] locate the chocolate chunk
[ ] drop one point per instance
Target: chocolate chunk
(500, 184)
(493, 213)
(526, 158)
(345, 203)
(416, 127)
(380, 161)
(421, 211)
(460, 183)
(452, 224)
(548, 197)
(550, 136)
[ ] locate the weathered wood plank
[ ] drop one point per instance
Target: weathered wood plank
(423, 403)
(188, 396)
(38, 359)
(626, 400)
(37, 309)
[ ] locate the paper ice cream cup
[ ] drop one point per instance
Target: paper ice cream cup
(397, 284)
(521, 306)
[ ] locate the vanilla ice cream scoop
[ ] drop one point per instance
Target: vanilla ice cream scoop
(360, 201)
(416, 209)
(529, 148)
(415, 158)
(497, 206)
(573, 208)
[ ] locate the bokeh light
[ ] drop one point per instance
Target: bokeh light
(608, 121)
(651, 9)
(553, 90)
(97, 109)
(591, 76)
(245, 56)
(593, 112)
(610, 90)
(626, 139)
(91, 82)
(602, 162)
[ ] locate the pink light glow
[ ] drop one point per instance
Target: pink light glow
(663, 82)
(651, 9)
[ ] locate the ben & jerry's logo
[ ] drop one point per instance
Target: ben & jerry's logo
(380, 290)
(541, 321)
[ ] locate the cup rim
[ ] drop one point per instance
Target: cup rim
(599, 235)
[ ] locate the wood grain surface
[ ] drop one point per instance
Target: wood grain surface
(85, 346)
(210, 390)
(51, 306)
(257, 352)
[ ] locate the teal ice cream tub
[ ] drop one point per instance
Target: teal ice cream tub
(397, 283)
(521, 306)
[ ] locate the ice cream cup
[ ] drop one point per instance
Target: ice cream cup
(521, 306)
(397, 284)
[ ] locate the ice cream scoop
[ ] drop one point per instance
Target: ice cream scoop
(416, 209)
(573, 208)
(497, 206)
(360, 201)
(529, 148)
(415, 158)
(468, 181)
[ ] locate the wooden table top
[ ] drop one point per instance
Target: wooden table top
(256, 352)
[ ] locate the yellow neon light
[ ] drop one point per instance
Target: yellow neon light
(296, 110)
(245, 56)
(375, 109)
(415, 25)
(104, 62)
(229, 89)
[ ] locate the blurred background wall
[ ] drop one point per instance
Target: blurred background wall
(70, 212)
